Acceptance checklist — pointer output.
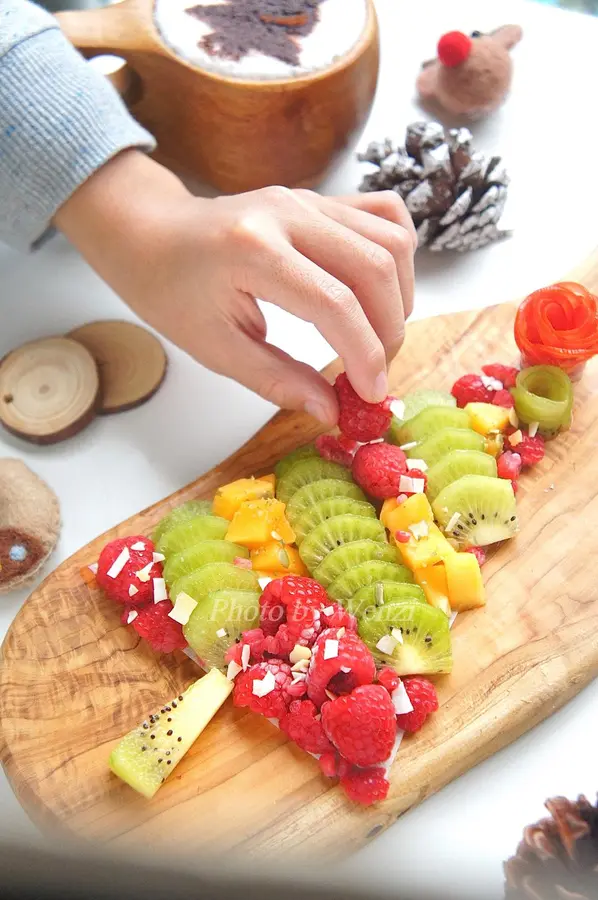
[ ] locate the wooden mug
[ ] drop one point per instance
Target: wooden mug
(235, 134)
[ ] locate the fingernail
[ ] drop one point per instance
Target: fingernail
(319, 411)
(381, 387)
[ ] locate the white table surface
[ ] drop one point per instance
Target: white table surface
(122, 463)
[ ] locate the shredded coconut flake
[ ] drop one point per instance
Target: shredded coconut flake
(532, 428)
(139, 545)
(299, 653)
(160, 592)
(119, 563)
(132, 616)
(420, 464)
(275, 536)
(93, 568)
(233, 670)
(419, 529)
(346, 669)
(452, 521)
(221, 633)
(144, 574)
(182, 609)
(452, 618)
(264, 581)
(264, 686)
(516, 438)
(419, 485)
(302, 665)
(299, 676)
(408, 446)
(158, 557)
(493, 384)
(397, 408)
(245, 654)
(387, 645)
(330, 649)
(397, 635)
(328, 611)
(133, 590)
(401, 701)
(376, 441)
(513, 418)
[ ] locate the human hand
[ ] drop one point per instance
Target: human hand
(193, 268)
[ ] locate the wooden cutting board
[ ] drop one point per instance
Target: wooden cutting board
(73, 681)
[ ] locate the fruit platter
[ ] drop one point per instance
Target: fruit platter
(377, 609)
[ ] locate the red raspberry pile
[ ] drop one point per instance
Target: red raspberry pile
(127, 569)
(358, 420)
(490, 387)
(339, 449)
(308, 669)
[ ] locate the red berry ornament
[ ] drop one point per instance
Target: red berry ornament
(454, 48)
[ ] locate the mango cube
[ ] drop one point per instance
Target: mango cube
(486, 418)
(494, 444)
(427, 546)
(411, 511)
(229, 497)
(465, 583)
(433, 582)
(388, 507)
(274, 557)
(259, 522)
(271, 478)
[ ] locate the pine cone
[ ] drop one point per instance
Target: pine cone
(558, 857)
(455, 195)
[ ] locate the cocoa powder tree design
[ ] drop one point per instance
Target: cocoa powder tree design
(269, 27)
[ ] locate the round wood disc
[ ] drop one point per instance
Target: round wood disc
(131, 361)
(49, 390)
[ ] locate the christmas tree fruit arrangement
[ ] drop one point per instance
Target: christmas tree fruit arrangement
(326, 590)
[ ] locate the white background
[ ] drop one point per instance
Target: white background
(547, 133)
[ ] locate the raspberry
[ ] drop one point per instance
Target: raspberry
(508, 465)
(303, 725)
(503, 398)
(118, 588)
(353, 654)
(366, 786)
(161, 632)
(471, 389)
(530, 449)
(272, 705)
(338, 617)
(362, 725)
(506, 374)
(297, 689)
(272, 611)
(377, 468)
(479, 553)
(424, 700)
(388, 678)
(328, 763)
(295, 602)
(340, 450)
(359, 420)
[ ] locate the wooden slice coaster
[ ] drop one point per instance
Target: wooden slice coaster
(131, 361)
(49, 390)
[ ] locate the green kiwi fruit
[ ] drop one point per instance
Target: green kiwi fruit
(187, 561)
(325, 489)
(429, 421)
(445, 440)
(186, 534)
(414, 403)
(380, 592)
(486, 510)
(425, 645)
(369, 571)
(221, 611)
(305, 472)
(329, 509)
(456, 464)
(214, 577)
(307, 451)
(337, 532)
(350, 555)
(190, 510)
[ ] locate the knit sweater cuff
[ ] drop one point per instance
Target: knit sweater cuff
(60, 121)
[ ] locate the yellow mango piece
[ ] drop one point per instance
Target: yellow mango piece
(412, 510)
(271, 478)
(273, 557)
(433, 582)
(388, 507)
(486, 418)
(428, 550)
(465, 583)
(258, 522)
(494, 444)
(229, 497)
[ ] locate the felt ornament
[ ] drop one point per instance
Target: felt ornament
(471, 75)
(29, 524)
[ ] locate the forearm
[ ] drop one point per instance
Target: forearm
(60, 121)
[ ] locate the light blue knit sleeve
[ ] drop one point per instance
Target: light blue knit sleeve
(60, 121)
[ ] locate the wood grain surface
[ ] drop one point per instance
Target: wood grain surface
(73, 681)
(235, 134)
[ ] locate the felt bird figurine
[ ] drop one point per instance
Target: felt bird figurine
(472, 75)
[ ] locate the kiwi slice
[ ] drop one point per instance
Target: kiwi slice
(214, 577)
(348, 583)
(480, 510)
(329, 509)
(218, 621)
(415, 402)
(447, 439)
(199, 555)
(429, 421)
(325, 489)
(307, 451)
(350, 555)
(380, 592)
(186, 534)
(456, 464)
(305, 472)
(424, 647)
(180, 514)
(335, 533)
